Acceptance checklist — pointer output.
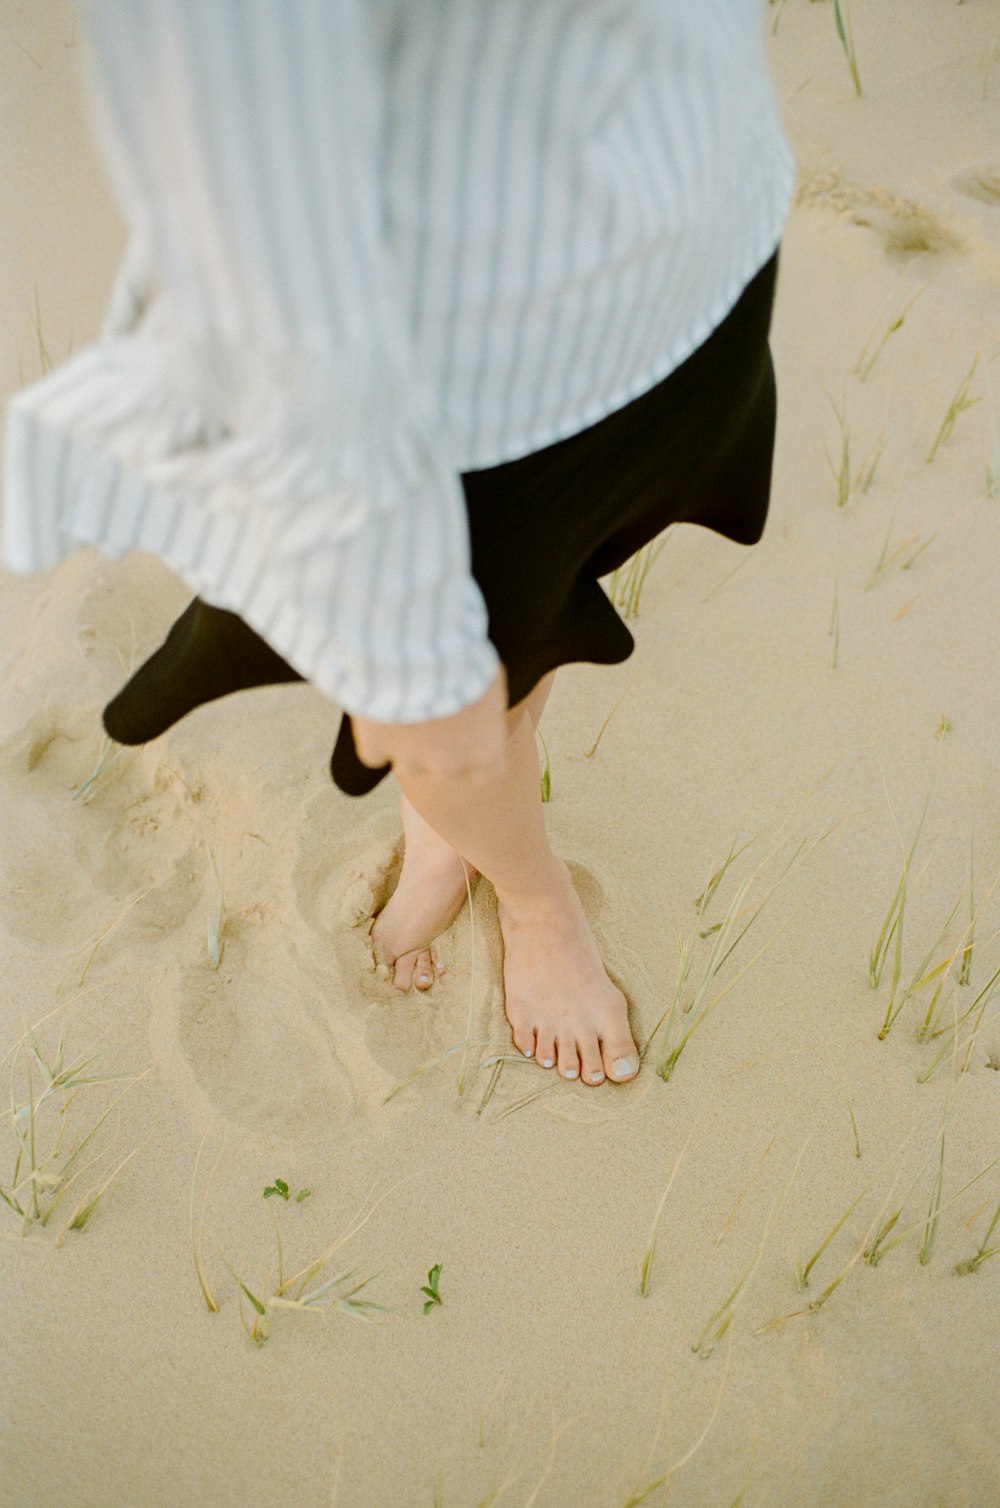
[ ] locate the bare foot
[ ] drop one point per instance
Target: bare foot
(560, 1003)
(430, 894)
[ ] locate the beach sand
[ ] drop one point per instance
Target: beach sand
(806, 698)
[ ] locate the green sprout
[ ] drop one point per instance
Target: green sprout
(431, 1288)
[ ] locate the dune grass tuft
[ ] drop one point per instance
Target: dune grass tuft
(958, 405)
(343, 1292)
(700, 1006)
(984, 1251)
(805, 1268)
(876, 343)
(626, 583)
(880, 1246)
(39, 1181)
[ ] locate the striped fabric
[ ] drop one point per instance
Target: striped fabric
(374, 244)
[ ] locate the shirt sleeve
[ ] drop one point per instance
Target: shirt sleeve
(254, 410)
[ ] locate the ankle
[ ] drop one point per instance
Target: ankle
(548, 892)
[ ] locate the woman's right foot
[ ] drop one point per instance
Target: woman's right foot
(562, 1007)
(429, 895)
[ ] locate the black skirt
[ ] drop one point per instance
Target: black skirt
(696, 448)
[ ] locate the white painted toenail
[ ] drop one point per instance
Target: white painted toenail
(529, 1052)
(570, 1073)
(595, 1078)
(425, 979)
(547, 1062)
(622, 1067)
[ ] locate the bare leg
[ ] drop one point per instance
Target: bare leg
(432, 885)
(559, 1000)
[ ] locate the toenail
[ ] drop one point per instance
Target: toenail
(595, 1078)
(547, 1062)
(622, 1067)
(425, 979)
(528, 1051)
(570, 1073)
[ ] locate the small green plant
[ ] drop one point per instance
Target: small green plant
(842, 20)
(431, 1288)
(280, 1188)
(958, 405)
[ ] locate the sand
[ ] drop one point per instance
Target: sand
(543, 1377)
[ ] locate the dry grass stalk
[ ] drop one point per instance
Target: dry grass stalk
(647, 1261)
(721, 1318)
(197, 1243)
(640, 1494)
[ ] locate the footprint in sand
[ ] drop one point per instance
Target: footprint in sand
(907, 229)
(251, 1040)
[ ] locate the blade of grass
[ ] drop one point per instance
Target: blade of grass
(647, 1261)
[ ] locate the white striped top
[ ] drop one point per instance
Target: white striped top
(376, 243)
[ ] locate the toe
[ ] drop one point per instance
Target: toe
(545, 1048)
(423, 970)
(524, 1040)
(403, 974)
(569, 1060)
(621, 1059)
(591, 1066)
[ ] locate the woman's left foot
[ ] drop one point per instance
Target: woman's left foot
(431, 892)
